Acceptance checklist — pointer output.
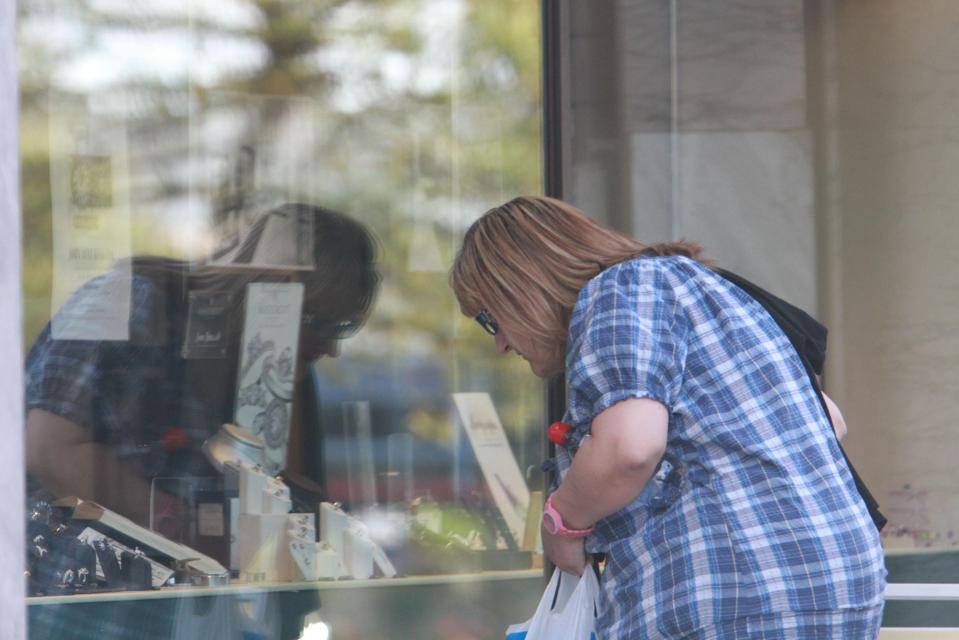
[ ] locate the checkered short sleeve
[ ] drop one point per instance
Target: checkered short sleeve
(71, 377)
(627, 338)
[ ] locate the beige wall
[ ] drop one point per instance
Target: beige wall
(813, 147)
(689, 120)
(893, 264)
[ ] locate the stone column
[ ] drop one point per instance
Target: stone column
(12, 605)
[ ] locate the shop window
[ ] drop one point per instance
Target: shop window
(251, 397)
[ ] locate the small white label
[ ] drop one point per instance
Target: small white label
(209, 517)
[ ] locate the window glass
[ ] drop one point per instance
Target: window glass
(238, 222)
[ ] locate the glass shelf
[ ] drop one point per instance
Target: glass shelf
(242, 588)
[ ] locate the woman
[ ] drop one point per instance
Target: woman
(700, 461)
(106, 417)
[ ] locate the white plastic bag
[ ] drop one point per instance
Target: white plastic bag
(572, 617)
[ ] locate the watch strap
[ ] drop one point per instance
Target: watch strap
(553, 522)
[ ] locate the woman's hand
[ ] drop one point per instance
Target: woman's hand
(568, 554)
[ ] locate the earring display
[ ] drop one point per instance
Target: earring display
(277, 546)
(234, 443)
(80, 546)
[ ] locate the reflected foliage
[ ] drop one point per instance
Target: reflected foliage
(413, 116)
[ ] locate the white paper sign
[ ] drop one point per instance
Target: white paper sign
(496, 459)
(264, 397)
(89, 180)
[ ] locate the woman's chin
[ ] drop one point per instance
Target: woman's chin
(541, 370)
(304, 366)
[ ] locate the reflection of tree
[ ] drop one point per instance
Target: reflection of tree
(419, 124)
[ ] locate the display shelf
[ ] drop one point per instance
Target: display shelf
(919, 551)
(241, 588)
(919, 591)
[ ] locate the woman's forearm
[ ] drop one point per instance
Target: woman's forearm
(63, 458)
(612, 466)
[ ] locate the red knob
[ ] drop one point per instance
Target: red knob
(558, 432)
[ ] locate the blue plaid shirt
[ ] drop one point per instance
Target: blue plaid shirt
(129, 393)
(752, 511)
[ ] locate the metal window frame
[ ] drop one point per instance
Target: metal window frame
(554, 73)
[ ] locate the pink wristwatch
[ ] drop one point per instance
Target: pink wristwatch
(553, 522)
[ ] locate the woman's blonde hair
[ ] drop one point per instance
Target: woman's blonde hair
(527, 260)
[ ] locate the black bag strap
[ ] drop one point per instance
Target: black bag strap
(808, 338)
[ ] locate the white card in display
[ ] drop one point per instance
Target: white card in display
(264, 398)
(89, 187)
(496, 460)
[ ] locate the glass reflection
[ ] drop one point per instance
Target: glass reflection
(183, 122)
(123, 422)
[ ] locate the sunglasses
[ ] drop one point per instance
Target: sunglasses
(486, 321)
(334, 329)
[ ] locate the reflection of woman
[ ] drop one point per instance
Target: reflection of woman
(700, 461)
(105, 417)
